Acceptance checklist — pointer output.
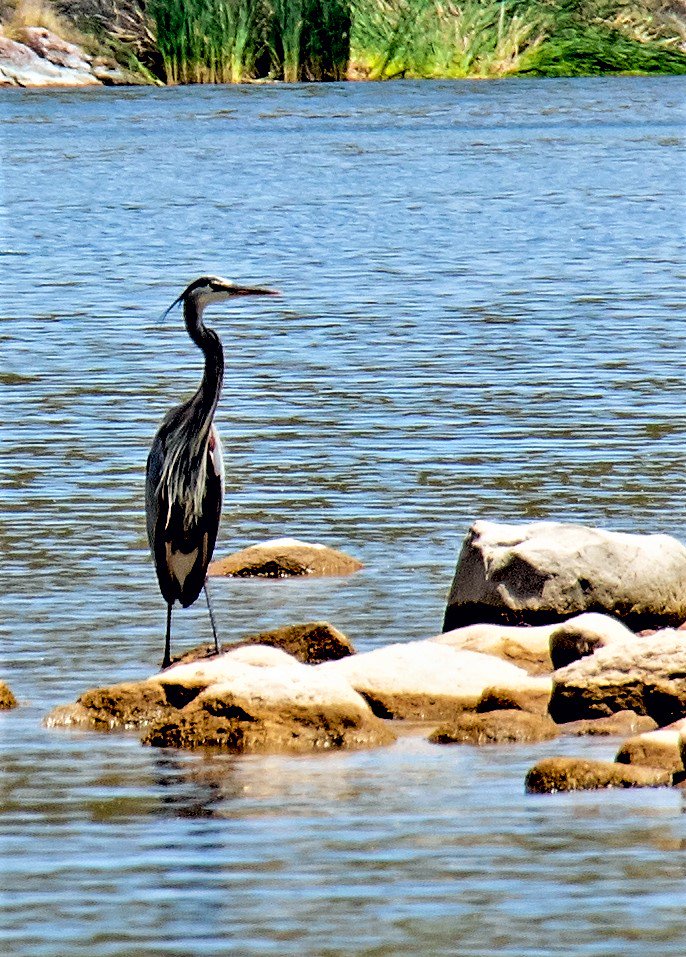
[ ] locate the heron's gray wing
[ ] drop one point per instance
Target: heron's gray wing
(153, 474)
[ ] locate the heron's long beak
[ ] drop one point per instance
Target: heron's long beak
(232, 289)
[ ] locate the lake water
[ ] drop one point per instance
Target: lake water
(482, 317)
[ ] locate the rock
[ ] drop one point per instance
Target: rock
(253, 699)
(574, 774)
(54, 49)
(126, 706)
(269, 708)
(285, 558)
(495, 727)
(655, 749)
(646, 675)
(622, 723)
(424, 680)
(7, 699)
(310, 643)
(549, 571)
(528, 648)
(582, 635)
(21, 66)
(533, 698)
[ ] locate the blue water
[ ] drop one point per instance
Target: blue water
(482, 316)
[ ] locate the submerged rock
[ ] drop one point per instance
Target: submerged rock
(644, 674)
(7, 699)
(496, 727)
(575, 774)
(424, 680)
(550, 571)
(285, 558)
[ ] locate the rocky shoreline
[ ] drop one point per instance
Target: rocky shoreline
(304, 688)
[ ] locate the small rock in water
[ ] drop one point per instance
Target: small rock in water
(575, 774)
(7, 699)
(582, 635)
(496, 727)
(621, 723)
(549, 571)
(285, 558)
(657, 749)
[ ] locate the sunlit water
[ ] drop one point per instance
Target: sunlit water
(482, 316)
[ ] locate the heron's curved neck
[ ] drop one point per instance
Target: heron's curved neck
(206, 339)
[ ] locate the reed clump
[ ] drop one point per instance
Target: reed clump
(229, 41)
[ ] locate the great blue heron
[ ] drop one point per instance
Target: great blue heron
(184, 483)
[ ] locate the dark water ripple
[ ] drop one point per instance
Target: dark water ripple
(482, 316)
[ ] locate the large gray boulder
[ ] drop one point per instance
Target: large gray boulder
(549, 571)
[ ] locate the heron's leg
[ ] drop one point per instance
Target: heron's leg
(167, 640)
(212, 619)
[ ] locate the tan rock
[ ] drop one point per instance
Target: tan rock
(310, 643)
(656, 749)
(574, 774)
(528, 648)
(549, 571)
(261, 709)
(126, 706)
(620, 724)
(495, 727)
(534, 697)
(424, 680)
(255, 698)
(285, 558)
(584, 634)
(645, 674)
(7, 699)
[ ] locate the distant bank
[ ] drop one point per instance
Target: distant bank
(83, 42)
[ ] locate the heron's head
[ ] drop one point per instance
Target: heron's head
(208, 289)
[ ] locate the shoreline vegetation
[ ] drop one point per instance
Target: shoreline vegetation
(173, 42)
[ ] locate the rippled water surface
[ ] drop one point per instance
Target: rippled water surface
(482, 316)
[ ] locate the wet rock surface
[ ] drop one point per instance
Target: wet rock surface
(285, 558)
(553, 775)
(550, 571)
(7, 699)
(496, 727)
